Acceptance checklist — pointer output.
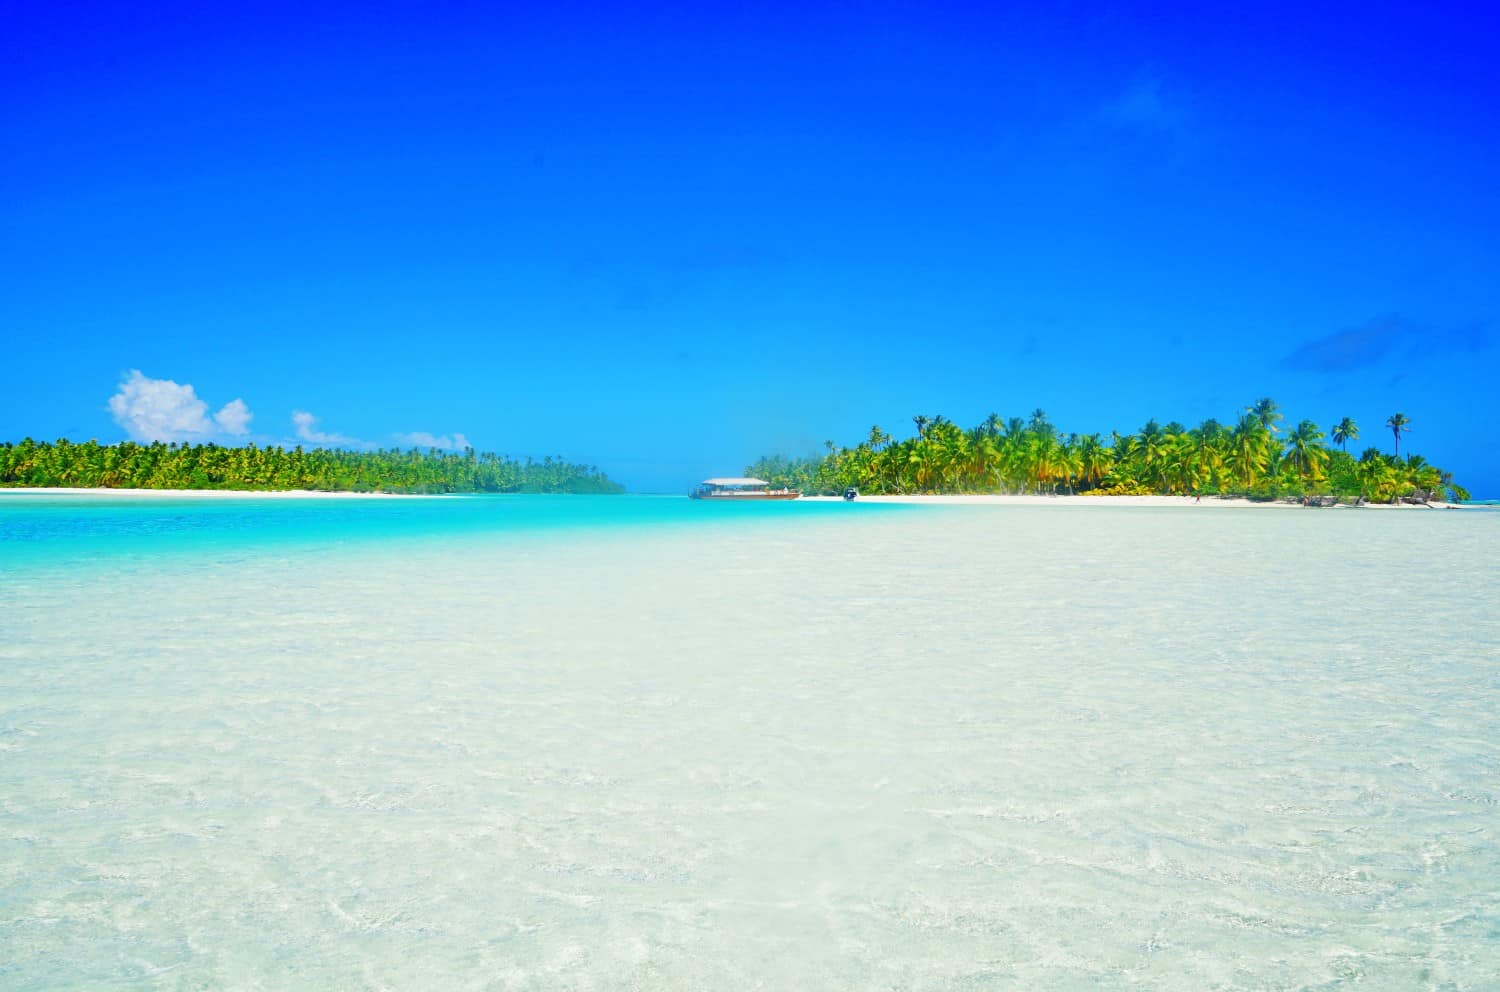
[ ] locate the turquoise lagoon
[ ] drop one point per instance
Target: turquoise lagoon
(613, 743)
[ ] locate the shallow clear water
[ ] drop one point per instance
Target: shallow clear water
(597, 744)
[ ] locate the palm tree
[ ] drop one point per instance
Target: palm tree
(1397, 423)
(200, 466)
(1152, 449)
(1265, 411)
(921, 421)
(1096, 459)
(953, 447)
(1378, 481)
(983, 461)
(925, 461)
(1070, 464)
(1181, 469)
(1041, 458)
(1247, 452)
(1344, 431)
(1304, 452)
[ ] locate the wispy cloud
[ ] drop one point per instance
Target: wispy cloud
(422, 439)
(163, 410)
(307, 430)
(1370, 343)
(1352, 348)
(1146, 104)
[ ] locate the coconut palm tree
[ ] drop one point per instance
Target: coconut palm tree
(1096, 459)
(1247, 449)
(1303, 452)
(1014, 457)
(200, 466)
(1182, 469)
(1266, 411)
(1379, 482)
(1152, 450)
(926, 463)
(983, 459)
(1042, 460)
(1070, 466)
(1397, 422)
(1210, 431)
(1344, 431)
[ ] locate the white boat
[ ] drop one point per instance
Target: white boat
(740, 489)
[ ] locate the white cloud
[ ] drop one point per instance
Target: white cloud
(422, 439)
(158, 409)
(163, 410)
(234, 418)
(307, 430)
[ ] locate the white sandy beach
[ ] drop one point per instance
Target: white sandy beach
(965, 499)
(249, 745)
(203, 493)
(1177, 501)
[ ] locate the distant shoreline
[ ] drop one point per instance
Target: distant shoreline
(929, 499)
(995, 499)
(209, 493)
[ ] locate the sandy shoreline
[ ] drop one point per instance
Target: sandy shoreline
(1174, 501)
(972, 499)
(207, 493)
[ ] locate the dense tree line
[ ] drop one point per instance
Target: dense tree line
(209, 466)
(1255, 456)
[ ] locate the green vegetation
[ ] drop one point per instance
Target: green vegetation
(1397, 423)
(1251, 458)
(209, 466)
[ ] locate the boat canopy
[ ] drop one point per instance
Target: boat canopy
(735, 482)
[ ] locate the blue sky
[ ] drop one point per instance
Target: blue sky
(667, 240)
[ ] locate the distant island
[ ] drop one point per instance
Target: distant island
(251, 468)
(1252, 458)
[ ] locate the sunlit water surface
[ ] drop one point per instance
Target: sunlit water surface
(551, 743)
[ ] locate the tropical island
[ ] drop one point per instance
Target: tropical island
(1253, 458)
(175, 466)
